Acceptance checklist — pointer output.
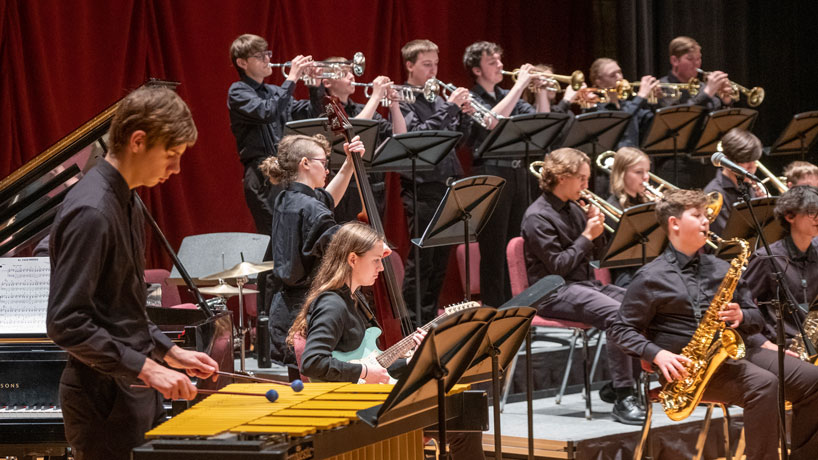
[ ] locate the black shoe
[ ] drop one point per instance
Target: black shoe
(607, 393)
(627, 411)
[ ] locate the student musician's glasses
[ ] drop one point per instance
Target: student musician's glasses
(324, 161)
(260, 56)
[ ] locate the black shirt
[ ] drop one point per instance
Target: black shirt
(258, 113)
(800, 273)
(668, 297)
(423, 115)
(731, 195)
(477, 134)
(554, 245)
(701, 98)
(97, 296)
(641, 116)
(303, 226)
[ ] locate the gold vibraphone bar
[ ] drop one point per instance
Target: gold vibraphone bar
(318, 422)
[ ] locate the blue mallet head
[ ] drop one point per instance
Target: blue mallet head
(297, 385)
(271, 395)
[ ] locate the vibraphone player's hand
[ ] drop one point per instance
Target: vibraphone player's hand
(175, 385)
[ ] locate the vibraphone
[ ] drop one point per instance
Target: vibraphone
(319, 422)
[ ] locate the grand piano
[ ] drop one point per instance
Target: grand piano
(30, 364)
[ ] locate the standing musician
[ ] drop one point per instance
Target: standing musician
(743, 148)
(97, 296)
(663, 307)
(797, 255)
(801, 173)
(420, 58)
(483, 62)
(335, 316)
(303, 224)
(258, 113)
(685, 63)
(569, 96)
(561, 239)
(342, 88)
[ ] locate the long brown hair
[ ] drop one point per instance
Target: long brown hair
(334, 271)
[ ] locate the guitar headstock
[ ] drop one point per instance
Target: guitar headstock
(337, 119)
(460, 307)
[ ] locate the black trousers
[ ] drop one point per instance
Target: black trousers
(284, 308)
(593, 303)
(105, 418)
(259, 194)
(503, 225)
(433, 261)
(752, 383)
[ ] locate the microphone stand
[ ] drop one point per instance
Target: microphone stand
(784, 306)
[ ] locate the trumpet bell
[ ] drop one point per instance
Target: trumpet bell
(755, 96)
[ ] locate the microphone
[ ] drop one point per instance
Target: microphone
(719, 159)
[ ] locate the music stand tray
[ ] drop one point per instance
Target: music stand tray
(427, 148)
(799, 135)
(740, 225)
(638, 238)
(366, 129)
(514, 137)
(209, 253)
(671, 129)
(716, 125)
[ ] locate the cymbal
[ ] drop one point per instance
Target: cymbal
(241, 270)
(225, 290)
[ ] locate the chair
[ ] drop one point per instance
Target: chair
(652, 396)
(518, 276)
(170, 292)
(474, 268)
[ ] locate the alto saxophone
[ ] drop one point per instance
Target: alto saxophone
(710, 345)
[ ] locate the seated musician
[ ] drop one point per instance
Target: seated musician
(685, 63)
(561, 239)
(482, 61)
(335, 316)
(629, 174)
(97, 295)
(743, 148)
(303, 224)
(420, 58)
(801, 173)
(350, 206)
(663, 307)
(797, 256)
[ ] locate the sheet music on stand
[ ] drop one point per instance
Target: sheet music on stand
(24, 285)
(716, 125)
(798, 137)
(366, 129)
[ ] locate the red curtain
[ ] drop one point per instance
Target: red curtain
(64, 62)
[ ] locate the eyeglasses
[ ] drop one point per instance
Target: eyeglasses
(260, 56)
(324, 161)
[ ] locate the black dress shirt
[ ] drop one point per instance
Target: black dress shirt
(258, 113)
(668, 297)
(303, 226)
(477, 134)
(554, 245)
(423, 115)
(701, 98)
(97, 295)
(800, 274)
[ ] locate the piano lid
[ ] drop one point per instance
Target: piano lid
(30, 196)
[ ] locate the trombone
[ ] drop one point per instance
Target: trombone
(481, 113)
(776, 181)
(335, 69)
(405, 93)
(576, 79)
(755, 95)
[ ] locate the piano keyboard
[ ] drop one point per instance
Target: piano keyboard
(30, 412)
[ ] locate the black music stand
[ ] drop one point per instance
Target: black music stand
(436, 366)
(413, 152)
(519, 135)
(670, 132)
(716, 125)
(638, 238)
(596, 132)
(798, 137)
(366, 129)
(740, 225)
(471, 201)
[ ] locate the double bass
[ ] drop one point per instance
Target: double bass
(395, 320)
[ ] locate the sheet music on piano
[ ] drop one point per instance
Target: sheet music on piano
(23, 295)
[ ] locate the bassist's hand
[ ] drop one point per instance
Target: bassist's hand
(355, 145)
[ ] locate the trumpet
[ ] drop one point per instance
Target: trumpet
(481, 114)
(551, 84)
(755, 95)
(335, 69)
(576, 79)
(405, 93)
(625, 89)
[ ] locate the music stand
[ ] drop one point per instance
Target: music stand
(670, 132)
(413, 152)
(366, 129)
(716, 125)
(518, 135)
(596, 132)
(471, 201)
(799, 135)
(436, 366)
(740, 225)
(637, 240)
